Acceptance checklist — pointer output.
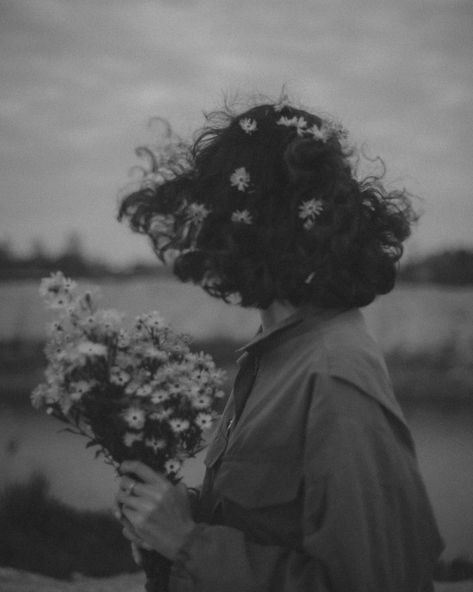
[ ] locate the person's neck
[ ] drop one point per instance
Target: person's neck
(275, 313)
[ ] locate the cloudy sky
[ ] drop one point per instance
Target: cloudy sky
(80, 79)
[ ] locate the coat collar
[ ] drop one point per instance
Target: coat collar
(306, 317)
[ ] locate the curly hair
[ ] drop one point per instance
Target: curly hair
(265, 205)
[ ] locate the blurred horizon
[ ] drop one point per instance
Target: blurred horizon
(80, 82)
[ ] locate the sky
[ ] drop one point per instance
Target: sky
(79, 81)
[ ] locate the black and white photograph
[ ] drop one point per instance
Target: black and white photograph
(236, 296)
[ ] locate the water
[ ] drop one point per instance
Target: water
(411, 317)
(443, 435)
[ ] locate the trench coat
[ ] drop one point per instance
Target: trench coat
(312, 482)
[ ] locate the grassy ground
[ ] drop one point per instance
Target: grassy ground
(43, 535)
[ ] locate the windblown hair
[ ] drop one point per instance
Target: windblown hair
(254, 239)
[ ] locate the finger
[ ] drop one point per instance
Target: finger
(116, 510)
(127, 524)
(136, 554)
(129, 486)
(137, 525)
(154, 492)
(145, 473)
(134, 502)
(132, 516)
(129, 534)
(134, 538)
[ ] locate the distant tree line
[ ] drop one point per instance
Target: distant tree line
(452, 267)
(71, 261)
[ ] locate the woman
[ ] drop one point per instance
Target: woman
(312, 481)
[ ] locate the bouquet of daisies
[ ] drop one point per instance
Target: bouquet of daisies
(137, 393)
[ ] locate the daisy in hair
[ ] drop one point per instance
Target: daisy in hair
(248, 125)
(310, 208)
(243, 216)
(240, 179)
(298, 122)
(322, 133)
(197, 213)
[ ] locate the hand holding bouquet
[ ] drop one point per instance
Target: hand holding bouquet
(135, 394)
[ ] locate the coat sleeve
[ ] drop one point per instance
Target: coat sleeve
(367, 522)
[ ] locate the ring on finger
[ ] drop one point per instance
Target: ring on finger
(129, 490)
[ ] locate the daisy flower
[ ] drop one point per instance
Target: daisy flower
(159, 397)
(78, 389)
(243, 216)
(132, 387)
(197, 213)
(240, 178)
(298, 122)
(56, 284)
(192, 390)
(204, 421)
(123, 339)
(89, 321)
(119, 376)
(57, 301)
(39, 395)
(323, 133)
(130, 438)
(144, 391)
(248, 125)
(172, 465)
(300, 125)
(154, 320)
(179, 425)
(110, 321)
(338, 130)
(155, 443)
(156, 354)
(90, 349)
(134, 417)
(175, 389)
(56, 327)
(160, 415)
(201, 402)
(287, 121)
(310, 209)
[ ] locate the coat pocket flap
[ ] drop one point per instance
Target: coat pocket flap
(259, 483)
